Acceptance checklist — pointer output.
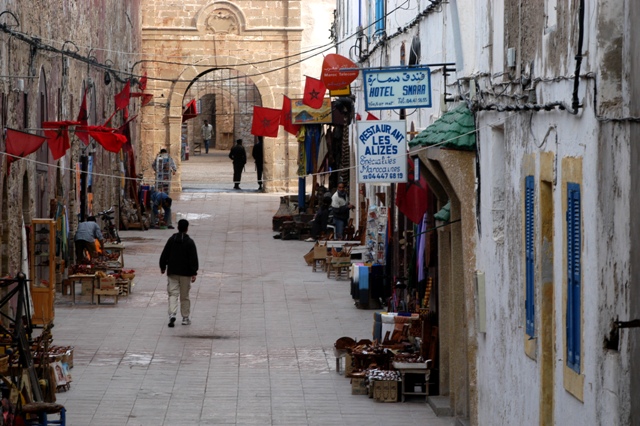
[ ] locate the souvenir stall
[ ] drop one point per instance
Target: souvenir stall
(32, 369)
(103, 275)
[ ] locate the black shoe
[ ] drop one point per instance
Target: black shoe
(236, 187)
(172, 322)
(170, 227)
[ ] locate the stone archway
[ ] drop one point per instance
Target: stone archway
(254, 40)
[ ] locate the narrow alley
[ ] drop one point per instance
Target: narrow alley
(259, 350)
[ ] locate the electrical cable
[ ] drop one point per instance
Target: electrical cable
(319, 174)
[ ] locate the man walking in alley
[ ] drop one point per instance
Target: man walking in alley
(239, 157)
(180, 259)
(258, 156)
(207, 134)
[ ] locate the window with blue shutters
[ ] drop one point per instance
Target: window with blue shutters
(380, 18)
(530, 307)
(574, 276)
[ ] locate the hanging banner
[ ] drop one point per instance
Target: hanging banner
(397, 88)
(303, 114)
(382, 151)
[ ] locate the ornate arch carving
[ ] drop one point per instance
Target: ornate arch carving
(221, 17)
(222, 21)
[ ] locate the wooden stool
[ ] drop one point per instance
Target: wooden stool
(41, 410)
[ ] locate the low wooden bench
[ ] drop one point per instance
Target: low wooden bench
(112, 292)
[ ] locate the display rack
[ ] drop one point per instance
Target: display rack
(42, 269)
(115, 263)
(164, 170)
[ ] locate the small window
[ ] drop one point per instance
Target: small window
(530, 254)
(574, 276)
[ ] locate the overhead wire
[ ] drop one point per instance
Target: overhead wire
(280, 179)
(36, 42)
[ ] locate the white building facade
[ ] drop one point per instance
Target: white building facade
(538, 279)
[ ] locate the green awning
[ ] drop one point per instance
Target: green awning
(456, 128)
(444, 214)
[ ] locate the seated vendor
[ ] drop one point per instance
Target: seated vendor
(160, 199)
(321, 219)
(85, 239)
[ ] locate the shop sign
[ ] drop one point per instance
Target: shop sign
(382, 151)
(338, 71)
(397, 88)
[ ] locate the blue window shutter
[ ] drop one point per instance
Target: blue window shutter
(574, 276)
(529, 255)
(380, 18)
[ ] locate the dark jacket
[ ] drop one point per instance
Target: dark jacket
(180, 256)
(257, 153)
(238, 155)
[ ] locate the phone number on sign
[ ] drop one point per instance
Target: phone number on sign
(381, 176)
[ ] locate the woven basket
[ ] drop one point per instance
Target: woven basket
(128, 276)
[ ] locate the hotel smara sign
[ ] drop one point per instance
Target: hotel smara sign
(382, 152)
(392, 88)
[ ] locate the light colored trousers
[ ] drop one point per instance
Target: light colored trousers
(179, 286)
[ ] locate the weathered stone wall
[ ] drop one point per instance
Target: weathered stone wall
(258, 39)
(53, 85)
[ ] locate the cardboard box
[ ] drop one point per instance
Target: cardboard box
(385, 390)
(348, 365)
(108, 283)
(358, 387)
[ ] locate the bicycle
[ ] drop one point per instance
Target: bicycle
(109, 231)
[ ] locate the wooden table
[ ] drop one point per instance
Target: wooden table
(420, 368)
(73, 279)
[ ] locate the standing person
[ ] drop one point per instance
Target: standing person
(165, 167)
(239, 157)
(180, 259)
(340, 207)
(258, 156)
(85, 239)
(207, 134)
(161, 200)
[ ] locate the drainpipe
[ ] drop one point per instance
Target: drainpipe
(575, 103)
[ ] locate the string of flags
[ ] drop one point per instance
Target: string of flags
(56, 133)
(338, 73)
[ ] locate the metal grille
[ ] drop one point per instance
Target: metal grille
(225, 98)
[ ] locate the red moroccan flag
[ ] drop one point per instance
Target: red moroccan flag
(21, 144)
(314, 91)
(58, 141)
(286, 120)
(106, 137)
(83, 119)
(412, 196)
(122, 98)
(371, 116)
(190, 111)
(265, 121)
(142, 84)
(57, 133)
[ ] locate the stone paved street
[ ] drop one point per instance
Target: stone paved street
(259, 350)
